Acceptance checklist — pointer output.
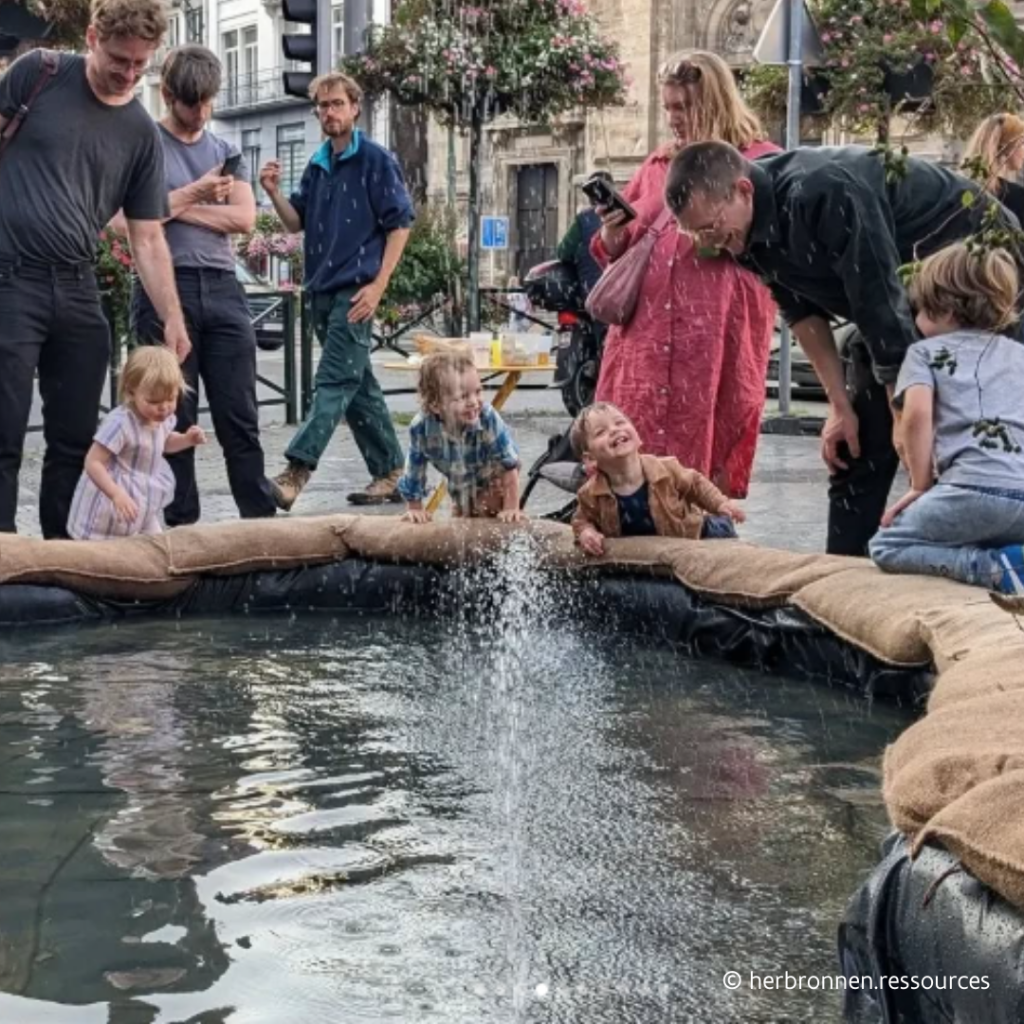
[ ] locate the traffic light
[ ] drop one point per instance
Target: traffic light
(313, 48)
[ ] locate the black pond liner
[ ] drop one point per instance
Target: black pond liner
(926, 918)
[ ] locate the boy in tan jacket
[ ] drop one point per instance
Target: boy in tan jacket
(634, 495)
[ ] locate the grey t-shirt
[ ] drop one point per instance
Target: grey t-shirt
(185, 162)
(74, 163)
(976, 376)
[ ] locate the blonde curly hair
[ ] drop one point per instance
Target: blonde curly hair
(437, 371)
(976, 289)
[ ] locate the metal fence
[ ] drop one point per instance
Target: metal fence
(281, 394)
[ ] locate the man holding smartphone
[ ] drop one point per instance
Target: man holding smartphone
(210, 199)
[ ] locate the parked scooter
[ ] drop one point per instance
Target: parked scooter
(554, 287)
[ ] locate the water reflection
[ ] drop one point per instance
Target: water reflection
(369, 820)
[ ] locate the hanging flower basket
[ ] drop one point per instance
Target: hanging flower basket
(909, 85)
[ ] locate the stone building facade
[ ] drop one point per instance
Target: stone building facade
(532, 175)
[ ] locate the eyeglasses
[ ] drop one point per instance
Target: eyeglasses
(325, 106)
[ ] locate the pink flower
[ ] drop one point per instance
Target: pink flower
(887, 38)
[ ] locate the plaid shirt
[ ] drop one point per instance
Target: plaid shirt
(469, 463)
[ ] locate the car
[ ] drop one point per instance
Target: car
(805, 381)
(262, 297)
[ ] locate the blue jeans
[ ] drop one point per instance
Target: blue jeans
(346, 388)
(717, 528)
(952, 531)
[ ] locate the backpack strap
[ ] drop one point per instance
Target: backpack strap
(49, 68)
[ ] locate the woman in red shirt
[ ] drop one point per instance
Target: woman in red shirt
(689, 368)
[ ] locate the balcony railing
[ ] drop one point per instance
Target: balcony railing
(247, 92)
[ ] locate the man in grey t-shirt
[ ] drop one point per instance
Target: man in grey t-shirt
(207, 206)
(85, 149)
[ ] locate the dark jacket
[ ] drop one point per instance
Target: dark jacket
(349, 203)
(829, 235)
(574, 249)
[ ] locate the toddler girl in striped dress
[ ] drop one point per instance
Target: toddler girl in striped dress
(127, 482)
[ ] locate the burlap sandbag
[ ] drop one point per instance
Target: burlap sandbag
(985, 829)
(939, 760)
(980, 675)
(252, 545)
(748, 575)
(122, 570)
(883, 613)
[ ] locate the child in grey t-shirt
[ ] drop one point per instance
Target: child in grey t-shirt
(961, 428)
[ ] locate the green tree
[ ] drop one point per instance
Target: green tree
(467, 64)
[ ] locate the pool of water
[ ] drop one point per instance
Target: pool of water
(319, 819)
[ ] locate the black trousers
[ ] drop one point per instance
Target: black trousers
(224, 356)
(858, 495)
(51, 322)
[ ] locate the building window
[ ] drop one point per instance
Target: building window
(173, 31)
(250, 64)
(337, 33)
(251, 152)
(291, 155)
(230, 57)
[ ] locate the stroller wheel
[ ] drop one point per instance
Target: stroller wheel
(578, 393)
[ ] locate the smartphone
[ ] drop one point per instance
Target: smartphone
(602, 193)
(231, 165)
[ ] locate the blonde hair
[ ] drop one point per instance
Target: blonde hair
(129, 19)
(436, 371)
(976, 289)
(992, 143)
(152, 371)
(578, 433)
(718, 112)
(332, 78)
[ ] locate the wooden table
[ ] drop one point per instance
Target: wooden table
(512, 376)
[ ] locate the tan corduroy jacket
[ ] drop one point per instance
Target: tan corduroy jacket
(679, 499)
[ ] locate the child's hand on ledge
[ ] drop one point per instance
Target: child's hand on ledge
(734, 512)
(416, 515)
(512, 515)
(591, 541)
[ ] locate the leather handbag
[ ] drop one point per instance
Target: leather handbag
(613, 299)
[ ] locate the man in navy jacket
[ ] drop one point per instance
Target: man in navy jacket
(355, 212)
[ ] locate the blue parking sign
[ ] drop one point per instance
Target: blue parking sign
(494, 232)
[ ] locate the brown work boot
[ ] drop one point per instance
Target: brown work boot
(288, 485)
(381, 491)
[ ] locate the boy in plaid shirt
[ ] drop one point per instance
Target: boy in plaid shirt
(464, 439)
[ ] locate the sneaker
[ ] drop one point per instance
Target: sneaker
(1011, 560)
(381, 491)
(288, 486)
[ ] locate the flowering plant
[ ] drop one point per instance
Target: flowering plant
(114, 269)
(530, 58)
(872, 48)
(269, 240)
(870, 44)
